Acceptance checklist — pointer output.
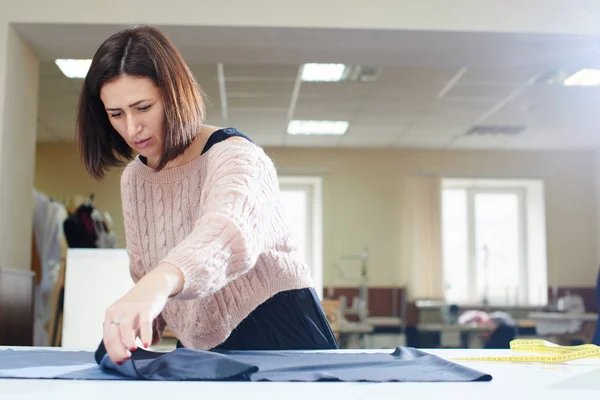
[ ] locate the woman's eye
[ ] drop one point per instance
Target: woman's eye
(115, 115)
(145, 108)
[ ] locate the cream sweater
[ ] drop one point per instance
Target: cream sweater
(219, 219)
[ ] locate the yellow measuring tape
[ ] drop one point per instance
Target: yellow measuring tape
(536, 347)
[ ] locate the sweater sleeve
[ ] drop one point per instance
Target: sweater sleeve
(236, 219)
(133, 246)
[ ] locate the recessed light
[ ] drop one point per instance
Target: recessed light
(297, 127)
(323, 72)
(584, 77)
(74, 68)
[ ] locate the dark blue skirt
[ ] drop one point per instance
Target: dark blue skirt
(290, 320)
(596, 338)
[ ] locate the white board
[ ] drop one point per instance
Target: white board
(94, 279)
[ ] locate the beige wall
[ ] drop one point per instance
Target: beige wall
(19, 78)
(362, 200)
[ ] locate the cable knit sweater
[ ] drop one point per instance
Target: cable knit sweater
(219, 219)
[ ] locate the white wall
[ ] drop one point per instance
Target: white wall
(18, 112)
(551, 16)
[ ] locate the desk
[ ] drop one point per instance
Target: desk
(577, 379)
(351, 334)
(562, 328)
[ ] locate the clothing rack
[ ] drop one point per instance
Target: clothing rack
(55, 298)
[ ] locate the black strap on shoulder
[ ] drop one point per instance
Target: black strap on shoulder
(223, 134)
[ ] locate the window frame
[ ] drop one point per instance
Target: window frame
(521, 188)
(313, 188)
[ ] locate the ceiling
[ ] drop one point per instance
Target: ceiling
(431, 88)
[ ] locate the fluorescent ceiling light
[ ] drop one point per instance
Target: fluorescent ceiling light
(584, 77)
(74, 68)
(323, 72)
(317, 127)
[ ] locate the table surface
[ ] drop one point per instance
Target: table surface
(440, 327)
(575, 379)
(559, 316)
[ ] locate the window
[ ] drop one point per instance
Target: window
(493, 236)
(302, 205)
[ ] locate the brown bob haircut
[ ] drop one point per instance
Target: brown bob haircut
(140, 51)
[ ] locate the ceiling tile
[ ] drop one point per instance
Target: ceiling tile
(508, 75)
(324, 113)
(335, 90)
(421, 143)
(273, 101)
(258, 88)
(261, 72)
(204, 71)
(311, 140)
(434, 134)
(401, 103)
(369, 138)
(480, 92)
(397, 107)
(479, 142)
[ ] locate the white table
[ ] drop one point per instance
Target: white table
(574, 380)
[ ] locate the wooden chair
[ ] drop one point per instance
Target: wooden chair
(333, 312)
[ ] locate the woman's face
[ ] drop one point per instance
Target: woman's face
(135, 109)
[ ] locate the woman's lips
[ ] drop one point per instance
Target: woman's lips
(142, 143)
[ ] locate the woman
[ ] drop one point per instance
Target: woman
(210, 253)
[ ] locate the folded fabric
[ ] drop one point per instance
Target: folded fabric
(403, 365)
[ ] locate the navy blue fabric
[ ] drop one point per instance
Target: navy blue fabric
(596, 338)
(403, 365)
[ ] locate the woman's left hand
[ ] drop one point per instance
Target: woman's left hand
(133, 314)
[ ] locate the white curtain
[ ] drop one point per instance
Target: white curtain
(422, 237)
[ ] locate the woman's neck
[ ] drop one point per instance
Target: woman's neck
(195, 149)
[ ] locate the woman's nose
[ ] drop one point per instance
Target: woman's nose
(133, 127)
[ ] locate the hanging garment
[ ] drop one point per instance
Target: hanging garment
(105, 239)
(76, 234)
(84, 216)
(403, 365)
(48, 217)
(80, 229)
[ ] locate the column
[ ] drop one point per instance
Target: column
(19, 76)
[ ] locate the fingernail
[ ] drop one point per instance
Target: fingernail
(119, 362)
(145, 345)
(133, 349)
